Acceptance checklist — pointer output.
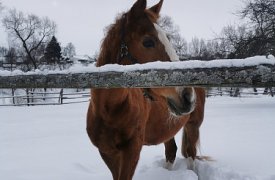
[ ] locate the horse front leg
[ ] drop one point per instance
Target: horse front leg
(170, 152)
(191, 131)
(112, 161)
(129, 157)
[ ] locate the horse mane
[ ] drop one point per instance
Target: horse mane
(111, 43)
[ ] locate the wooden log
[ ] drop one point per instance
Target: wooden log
(262, 75)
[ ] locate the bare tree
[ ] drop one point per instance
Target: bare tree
(30, 31)
(194, 47)
(11, 58)
(235, 41)
(173, 34)
(3, 51)
(69, 50)
(180, 45)
(167, 24)
(261, 18)
(261, 13)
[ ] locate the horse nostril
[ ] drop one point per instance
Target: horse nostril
(187, 96)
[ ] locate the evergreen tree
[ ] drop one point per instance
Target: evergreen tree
(53, 52)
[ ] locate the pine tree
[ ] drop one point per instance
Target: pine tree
(53, 52)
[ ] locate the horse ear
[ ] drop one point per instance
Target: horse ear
(156, 8)
(138, 8)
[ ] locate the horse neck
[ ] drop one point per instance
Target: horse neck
(109, 54)
(113, 106)
(109, 97)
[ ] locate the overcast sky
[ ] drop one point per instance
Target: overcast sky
(82, 21)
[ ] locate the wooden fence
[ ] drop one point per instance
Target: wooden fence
(45, 98)
(59, 98)
(239, 92)
(257, 72)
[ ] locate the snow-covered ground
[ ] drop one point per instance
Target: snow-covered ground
(50, 143)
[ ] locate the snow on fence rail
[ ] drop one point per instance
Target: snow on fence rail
(257, 71)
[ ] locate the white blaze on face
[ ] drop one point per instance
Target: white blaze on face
(165, 41)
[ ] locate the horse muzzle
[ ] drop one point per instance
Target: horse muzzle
(184, 103)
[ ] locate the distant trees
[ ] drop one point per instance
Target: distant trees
(11, 56)
(53, 52)
(199, 49)
(30, 32)
(69, 50)
(257, 36)
(261, 15)
(173, 34)
(32, 37)
(233, 38)
(3, 51)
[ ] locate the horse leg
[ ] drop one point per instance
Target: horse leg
(190, 140)
(170, 150)
(113, 164)
(129, 157)
(123, 164)
(190, 137)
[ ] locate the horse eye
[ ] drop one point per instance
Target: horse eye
(149, 43)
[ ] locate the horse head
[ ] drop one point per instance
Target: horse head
(137, 38)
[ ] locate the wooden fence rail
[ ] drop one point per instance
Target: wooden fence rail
(252, 72)
(46, 98)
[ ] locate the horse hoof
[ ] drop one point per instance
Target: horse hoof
(168, 165)
(190, 163)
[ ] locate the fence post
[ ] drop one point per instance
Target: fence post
(13, 94)
(32, 96)
(271, 92)
(28, 98)
(61, 97)
(44, 95)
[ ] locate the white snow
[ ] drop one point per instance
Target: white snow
(50, 143)
(78, 68)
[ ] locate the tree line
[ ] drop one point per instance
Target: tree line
(256, 36)
(32, 39)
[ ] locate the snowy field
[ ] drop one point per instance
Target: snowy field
(50, 143)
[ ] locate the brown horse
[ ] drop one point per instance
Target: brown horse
(121, 121)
